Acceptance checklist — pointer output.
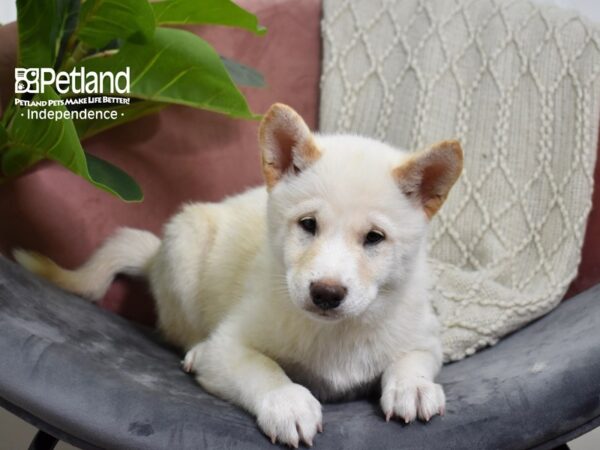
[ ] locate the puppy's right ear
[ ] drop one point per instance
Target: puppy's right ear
(286, 143)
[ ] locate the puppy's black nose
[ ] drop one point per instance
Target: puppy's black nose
(327, 294)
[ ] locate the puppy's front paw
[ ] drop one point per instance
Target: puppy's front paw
(290, 414)
(409, 398)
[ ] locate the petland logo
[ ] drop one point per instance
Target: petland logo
(77, 81)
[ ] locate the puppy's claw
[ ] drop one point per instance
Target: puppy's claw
(307, 440)
(442, 411)
(185, 366)
(388, 416)
(320, 427)
(273, 439)
(188, 362)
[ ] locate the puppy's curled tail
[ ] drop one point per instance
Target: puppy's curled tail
(128, 251)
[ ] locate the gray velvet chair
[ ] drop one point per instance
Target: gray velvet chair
(91, 378)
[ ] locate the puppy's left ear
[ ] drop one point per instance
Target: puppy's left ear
(428, 175)
(286, 143)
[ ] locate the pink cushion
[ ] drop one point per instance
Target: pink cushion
(179, 155)
(589, 267)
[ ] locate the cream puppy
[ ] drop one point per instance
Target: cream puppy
(315, 286)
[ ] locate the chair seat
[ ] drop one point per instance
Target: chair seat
(97, 380)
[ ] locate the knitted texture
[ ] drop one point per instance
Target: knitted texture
(518, 84)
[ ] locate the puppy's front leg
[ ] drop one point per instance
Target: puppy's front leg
(285, 411)
(408, 390)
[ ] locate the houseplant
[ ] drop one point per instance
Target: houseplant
(67, 46)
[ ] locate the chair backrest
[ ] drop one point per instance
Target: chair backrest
(182, 155)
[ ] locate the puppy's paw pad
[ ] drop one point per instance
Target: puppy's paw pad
(290, 415)
(408, 399)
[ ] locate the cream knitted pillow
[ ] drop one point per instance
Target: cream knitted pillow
(519, 85)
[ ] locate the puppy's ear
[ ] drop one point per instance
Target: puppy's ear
(428, 175)
(286, 143)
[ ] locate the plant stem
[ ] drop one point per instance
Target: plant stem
(71, 42)
(78, 53)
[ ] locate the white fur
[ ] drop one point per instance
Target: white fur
(231, 283)
(127, 251)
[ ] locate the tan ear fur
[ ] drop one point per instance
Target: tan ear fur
(428, 175)
(286, 143)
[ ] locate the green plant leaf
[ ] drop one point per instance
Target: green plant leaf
(40, 29)
(175, 67)
(3, 143)
(119, 182)
(69, 13)
(243, 75)
(31, 140)
(212, 12)
(3, 136)
(101, 21)
(131, 112)
(36, 47)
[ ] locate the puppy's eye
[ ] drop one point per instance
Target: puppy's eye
(308, 224)
(374, 237)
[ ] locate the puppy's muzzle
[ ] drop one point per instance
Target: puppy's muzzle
(327, 294)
